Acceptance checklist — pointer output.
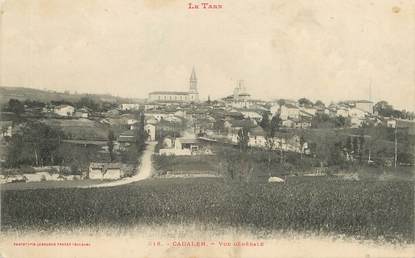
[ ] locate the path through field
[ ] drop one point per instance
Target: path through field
(143, 171)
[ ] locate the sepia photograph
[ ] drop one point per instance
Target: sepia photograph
(207, 129)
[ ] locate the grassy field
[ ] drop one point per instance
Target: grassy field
(367, 209)
(80, 129)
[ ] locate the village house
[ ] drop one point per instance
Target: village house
(112, 112)
(82, 113)
(357, 117)
(289, 111)
(302, 122)
(191, 144)
(157, 114)
(364, 105)
(185, 147)
(129, 106)
(6, 128)
(101, 171)
(64, 110)
(342, 111)
(125, 119)
(257, 137)
(275, 109)
(251, 113)
(150, 106)
(305, 115)
(310, 110)
(168, 142)
(151, 120)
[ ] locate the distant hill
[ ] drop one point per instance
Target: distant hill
(22, 94)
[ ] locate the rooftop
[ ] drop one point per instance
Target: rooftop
(288, 105)
(257, 131)
(188, 140)
(169, 93)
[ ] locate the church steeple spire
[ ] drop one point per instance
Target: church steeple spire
(193, 75)
(193, 81)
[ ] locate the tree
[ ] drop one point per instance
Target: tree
(16, 107)
(303, 102)
(219, 125)
(87, 102)
(383, 108)
(271, 142)
(141, 134)
(361, 146)
(281, 102)
(265, 121)
(374, 145)
(110, 144)
(275, 125)
(229, 162)
(326, 147)
(319, 104)
(302, 143)
(322, 120)
(243, 139)
(34, 103)
(36, 144)
(341, 122)
(348, 148)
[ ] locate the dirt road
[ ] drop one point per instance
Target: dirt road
(143, 171)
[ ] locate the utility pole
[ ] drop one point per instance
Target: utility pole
(396, 144)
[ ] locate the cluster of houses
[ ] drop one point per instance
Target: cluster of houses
(188, 126)
(221, 120)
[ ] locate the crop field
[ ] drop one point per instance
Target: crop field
(378, 210)
(186, 164)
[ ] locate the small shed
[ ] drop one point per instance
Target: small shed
(105, 171)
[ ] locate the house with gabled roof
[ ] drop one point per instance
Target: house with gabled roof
(257, 137)
(64, 110)
(289, 111)
(103, 171)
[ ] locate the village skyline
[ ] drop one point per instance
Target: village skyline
(290, 50)
(270, 98)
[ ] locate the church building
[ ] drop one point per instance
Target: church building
(178, 96)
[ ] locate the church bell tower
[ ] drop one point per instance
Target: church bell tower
(193, 93)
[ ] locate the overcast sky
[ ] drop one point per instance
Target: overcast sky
(325, 49)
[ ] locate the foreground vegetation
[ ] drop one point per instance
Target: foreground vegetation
(368, 209)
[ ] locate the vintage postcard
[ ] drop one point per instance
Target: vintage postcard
(223, 128)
